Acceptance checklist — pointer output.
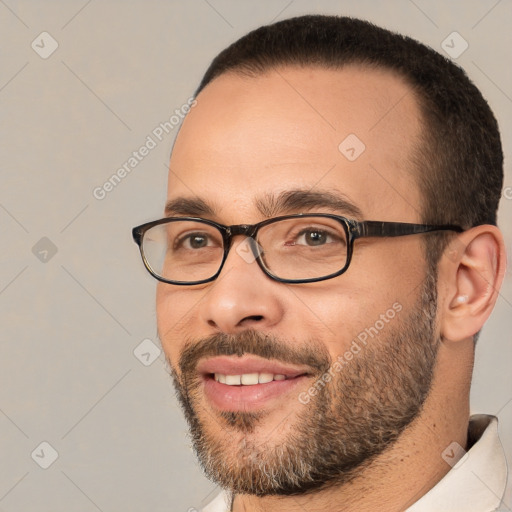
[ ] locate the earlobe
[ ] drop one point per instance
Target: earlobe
(472, 277)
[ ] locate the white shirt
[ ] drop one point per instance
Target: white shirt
(476, 483)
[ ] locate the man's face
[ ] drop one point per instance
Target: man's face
(247, 144)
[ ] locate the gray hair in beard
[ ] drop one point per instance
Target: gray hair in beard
(351, 420)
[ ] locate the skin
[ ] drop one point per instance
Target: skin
(248, 137)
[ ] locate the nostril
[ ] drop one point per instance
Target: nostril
(257, 318)
(248, 321)
(245, 320)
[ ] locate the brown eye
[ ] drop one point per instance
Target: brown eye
(315, 237)
(197, 241)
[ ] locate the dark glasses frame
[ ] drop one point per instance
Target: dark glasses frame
(354, 229)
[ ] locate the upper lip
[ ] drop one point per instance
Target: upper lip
(234, 365)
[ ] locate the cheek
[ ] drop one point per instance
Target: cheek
(331, 313)
(174, 311)
(347, 309)
(388, 264)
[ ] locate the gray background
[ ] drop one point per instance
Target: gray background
(71, 320)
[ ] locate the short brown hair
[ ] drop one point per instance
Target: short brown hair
(460, 161)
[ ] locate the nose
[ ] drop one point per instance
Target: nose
(242, 296)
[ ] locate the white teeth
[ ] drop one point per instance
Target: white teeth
(248, 379)
(233, 380)
(263, 378)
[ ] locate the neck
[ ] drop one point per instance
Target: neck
(410, 467)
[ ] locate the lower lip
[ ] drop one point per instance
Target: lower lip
(248, 398)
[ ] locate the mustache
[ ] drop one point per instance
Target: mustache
(314, 355)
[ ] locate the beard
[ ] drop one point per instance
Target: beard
(350, 421)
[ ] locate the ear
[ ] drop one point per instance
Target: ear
(470, 275)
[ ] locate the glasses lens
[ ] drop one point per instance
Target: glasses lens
(184, 251)
(305, 247)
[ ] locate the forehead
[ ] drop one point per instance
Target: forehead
(351, 131)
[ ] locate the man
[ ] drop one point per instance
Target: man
(324, 362)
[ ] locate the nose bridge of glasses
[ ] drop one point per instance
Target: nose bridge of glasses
(241, 229)
(249, 232)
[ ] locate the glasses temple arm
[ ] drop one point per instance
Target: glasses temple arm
(371, 228)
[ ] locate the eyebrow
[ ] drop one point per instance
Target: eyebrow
(306, 200)
(271, 205)
(188, 207)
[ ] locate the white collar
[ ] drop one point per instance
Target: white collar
(475, 484)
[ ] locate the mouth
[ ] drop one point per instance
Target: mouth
(248, 383)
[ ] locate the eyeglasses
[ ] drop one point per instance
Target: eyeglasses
(301, 248)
